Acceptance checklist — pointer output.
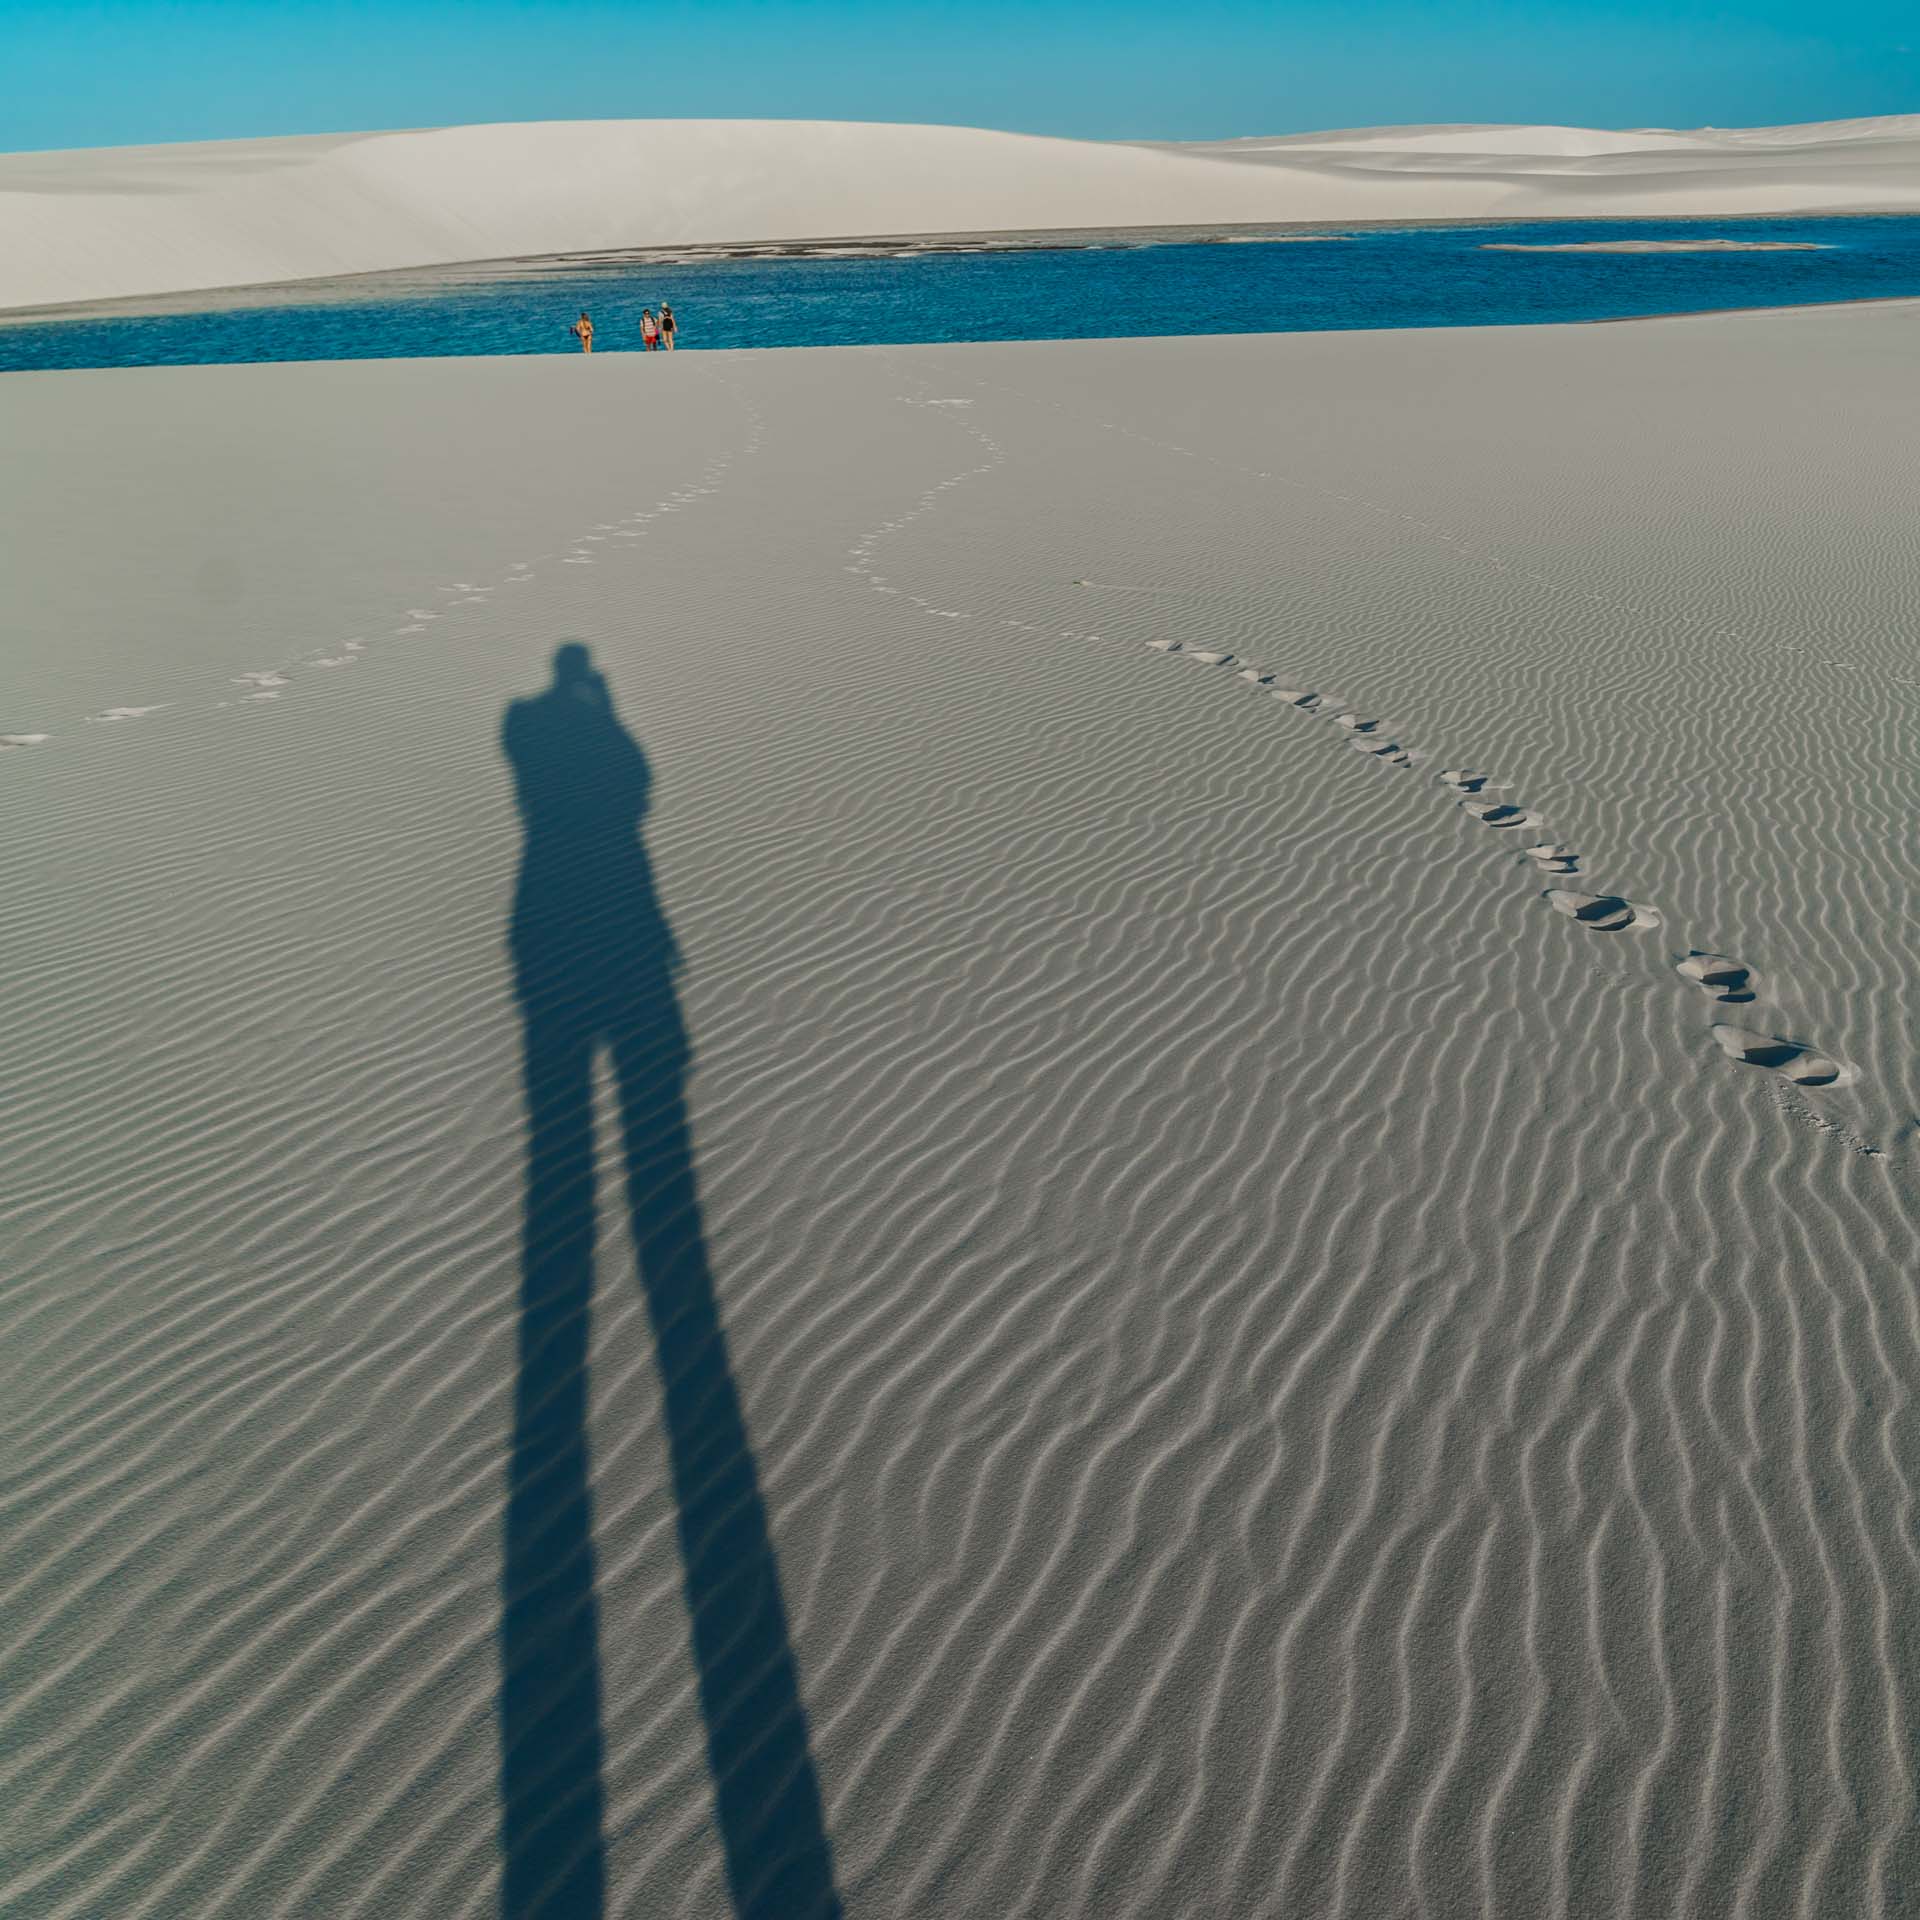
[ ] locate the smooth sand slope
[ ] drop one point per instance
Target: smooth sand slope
(1201, 1345)
(112, 222)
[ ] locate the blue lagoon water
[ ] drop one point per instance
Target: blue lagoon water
(1071, 287)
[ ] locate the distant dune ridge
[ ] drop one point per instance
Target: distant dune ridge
(116, 222)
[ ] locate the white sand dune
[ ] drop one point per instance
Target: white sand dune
(1235, 1360)
(1839, 166)
(1815, 139)
(114, 222)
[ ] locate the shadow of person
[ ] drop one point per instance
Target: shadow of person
(594, 965)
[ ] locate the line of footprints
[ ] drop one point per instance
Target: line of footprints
(262, 684)
(1725, 981)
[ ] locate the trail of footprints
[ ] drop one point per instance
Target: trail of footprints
(264, 684)
(861, 556)
(1725, 981)
(1728, 982)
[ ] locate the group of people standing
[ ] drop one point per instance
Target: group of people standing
(656, 331)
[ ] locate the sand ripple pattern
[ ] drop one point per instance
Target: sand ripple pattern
(1288, 1376)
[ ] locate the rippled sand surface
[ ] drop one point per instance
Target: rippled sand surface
(1264, 1306)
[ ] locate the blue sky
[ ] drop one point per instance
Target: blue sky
(115, 72)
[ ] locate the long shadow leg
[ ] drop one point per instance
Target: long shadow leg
(767, 1799)
(550, 1770)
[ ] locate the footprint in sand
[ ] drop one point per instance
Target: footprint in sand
(1155, 646)
(1497, 813)
(1549, 858)
(1256, 676)
(1469, 780)
(1728, 981)
(1209, 657)
(1602, 912)
(1389, 751)
(8, 741)
(1791, 1059)
(125, 713)
(1306, 702)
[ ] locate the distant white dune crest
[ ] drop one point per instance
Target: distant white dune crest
(111, 223)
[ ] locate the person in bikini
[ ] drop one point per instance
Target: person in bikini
(666, 326)
(582, 330)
